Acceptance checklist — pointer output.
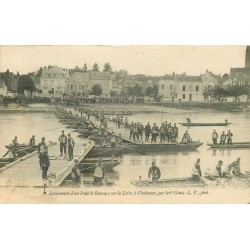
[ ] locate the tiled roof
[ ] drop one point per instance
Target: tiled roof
(56, 70)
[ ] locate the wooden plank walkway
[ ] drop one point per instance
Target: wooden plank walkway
(26, 172)
(125, 132)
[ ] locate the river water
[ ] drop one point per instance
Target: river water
(24, 125)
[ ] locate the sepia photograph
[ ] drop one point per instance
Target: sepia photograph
(125, 124)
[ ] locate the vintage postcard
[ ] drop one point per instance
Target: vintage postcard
(125, 124)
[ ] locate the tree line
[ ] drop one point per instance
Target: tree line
(219, 92)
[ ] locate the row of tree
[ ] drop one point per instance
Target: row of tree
(106, 68)
(222, 92)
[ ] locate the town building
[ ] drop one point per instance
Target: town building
(81, 83)
(241, 76)
(52, 81)
(104, 79)
(78, 84)
(181, 88)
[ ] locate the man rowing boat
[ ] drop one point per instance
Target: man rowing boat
(196, 171)
(154, 172)
(186, 138)
(14, 142)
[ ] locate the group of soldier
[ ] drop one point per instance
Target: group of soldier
(223, 137)
(166, 132)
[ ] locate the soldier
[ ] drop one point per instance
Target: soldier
(32, 141)
(154, 172)
(98, 174)
(214, 137)
(44, 161)
(229, 137)
(175, 132)
(113, 140)
(63, 143)
(71, 144)
(147, 131)
(76, 174)
(186, 138)
(196, 171)
(223, 138)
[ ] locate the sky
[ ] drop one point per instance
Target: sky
(149, 60)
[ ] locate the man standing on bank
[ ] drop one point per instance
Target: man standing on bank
(154, 172)
(63, 143)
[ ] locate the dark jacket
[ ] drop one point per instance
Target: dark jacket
(155, 172)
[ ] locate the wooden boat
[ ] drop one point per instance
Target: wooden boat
(22, 148)
(90, 164)
(98, 151)
(170, 182)
(149, 148)
(163, 147)
(214, 124)
(235, 145)
(97, 139)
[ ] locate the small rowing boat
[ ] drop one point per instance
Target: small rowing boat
(170, 182)
(235, 145)
(21, 149)
(200, 124)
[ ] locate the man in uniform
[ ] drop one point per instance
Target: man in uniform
(71, 144)
(76, 174)
(63, 143)
(196, 171)
(223, 138)
(147, 132)
(154, 172)
(229, 137)
(175, 132)
(32, 141)
(154, 133)
(186, 138)
(214, 137)
(234, 168)
(44, 161)
(98, 174)
(113, 140)
(14, 142)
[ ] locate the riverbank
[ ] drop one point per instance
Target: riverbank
(170, 107)
(32, 108)
(214, 106)
(165, 107)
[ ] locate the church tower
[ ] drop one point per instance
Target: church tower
(247, 58)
